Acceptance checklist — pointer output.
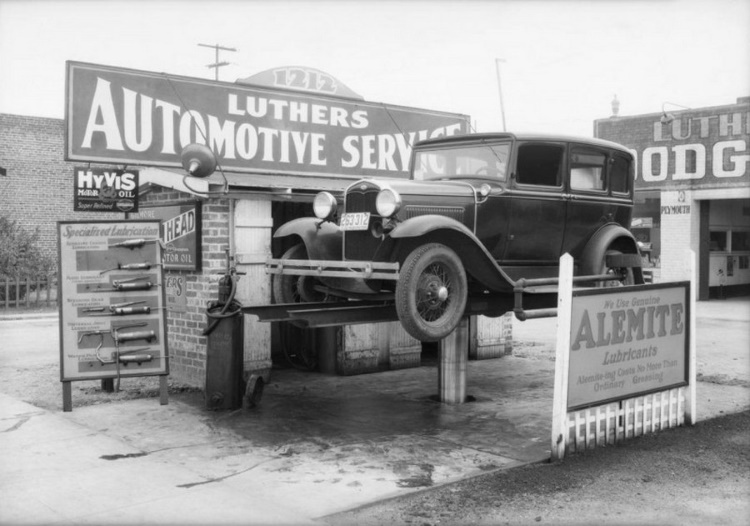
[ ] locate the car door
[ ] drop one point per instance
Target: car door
(537, 205)
(592, 202)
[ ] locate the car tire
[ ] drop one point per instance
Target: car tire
(431, 292)
(295, 289)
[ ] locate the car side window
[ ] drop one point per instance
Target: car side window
(539, 164)
(619, 174)
(587, 170)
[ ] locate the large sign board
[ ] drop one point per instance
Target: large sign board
(180, 233)
(701, 148)
(116, 115)
(629, 343)
(112, 309)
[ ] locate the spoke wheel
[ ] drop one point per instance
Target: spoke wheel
(431, 292)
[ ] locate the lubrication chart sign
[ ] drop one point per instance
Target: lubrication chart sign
(112, 306)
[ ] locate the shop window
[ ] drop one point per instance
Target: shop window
(587, 170)
(539, 164)
(740, 241)
(718, 241)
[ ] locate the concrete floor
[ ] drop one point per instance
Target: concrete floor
(317, 444)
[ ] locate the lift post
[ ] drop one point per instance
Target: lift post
(453, 358)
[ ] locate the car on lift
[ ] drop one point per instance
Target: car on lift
(478, 213)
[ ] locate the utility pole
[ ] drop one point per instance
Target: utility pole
(500, 89)
(216, 65)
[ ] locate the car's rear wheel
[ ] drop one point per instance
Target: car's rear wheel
(295, 289)
(630, 276)
(431, 292)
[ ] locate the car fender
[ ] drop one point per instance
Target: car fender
(422, 225)
(323, 239)
(475, 257)
(611, 236)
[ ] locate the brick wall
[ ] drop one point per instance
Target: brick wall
(38, 189)
(187, 345)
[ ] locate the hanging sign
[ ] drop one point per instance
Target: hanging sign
(105, 190)
(180, 232)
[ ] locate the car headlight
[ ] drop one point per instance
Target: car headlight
(388, 203)
(324, 205)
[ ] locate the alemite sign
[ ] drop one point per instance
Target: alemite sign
(626, 344)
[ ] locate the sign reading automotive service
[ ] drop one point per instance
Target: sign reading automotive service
(626, 344)
(180, 232)
(705, 148)
(137, 117)
(105, 190)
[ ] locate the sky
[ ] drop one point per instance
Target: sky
(563, 61)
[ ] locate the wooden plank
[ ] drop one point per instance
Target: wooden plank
(577, 432)
(691, 413)
(562, 357)
(662, 425)
(672, 409)
(163, 390)
(67, 397)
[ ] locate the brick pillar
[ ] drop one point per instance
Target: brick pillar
(680, 232)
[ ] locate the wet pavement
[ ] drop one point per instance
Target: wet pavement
(317, 444)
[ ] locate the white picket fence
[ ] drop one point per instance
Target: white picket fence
(612, 423)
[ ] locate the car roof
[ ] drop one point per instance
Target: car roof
(480, 137)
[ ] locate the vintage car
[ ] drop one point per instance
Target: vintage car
(478, 213)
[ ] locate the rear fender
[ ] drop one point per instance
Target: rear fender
(608, 237)
(323, 240)
(477, 261)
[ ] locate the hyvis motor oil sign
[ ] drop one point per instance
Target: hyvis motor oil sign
(105, 190)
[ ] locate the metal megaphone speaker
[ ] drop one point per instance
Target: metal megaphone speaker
(198, 160)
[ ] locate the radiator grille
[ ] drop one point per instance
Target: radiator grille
(360, 245)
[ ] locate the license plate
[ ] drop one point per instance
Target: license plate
(355, 221)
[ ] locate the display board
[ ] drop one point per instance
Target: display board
(627, 342)
(112, 301)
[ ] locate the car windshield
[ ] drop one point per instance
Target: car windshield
(477, 160)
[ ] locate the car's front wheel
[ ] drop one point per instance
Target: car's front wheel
(295, 289)
(431, 292)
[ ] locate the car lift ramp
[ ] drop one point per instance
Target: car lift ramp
(533, 298)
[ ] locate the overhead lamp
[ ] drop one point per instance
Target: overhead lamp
(667, 118)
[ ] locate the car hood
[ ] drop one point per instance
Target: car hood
(421, 188)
